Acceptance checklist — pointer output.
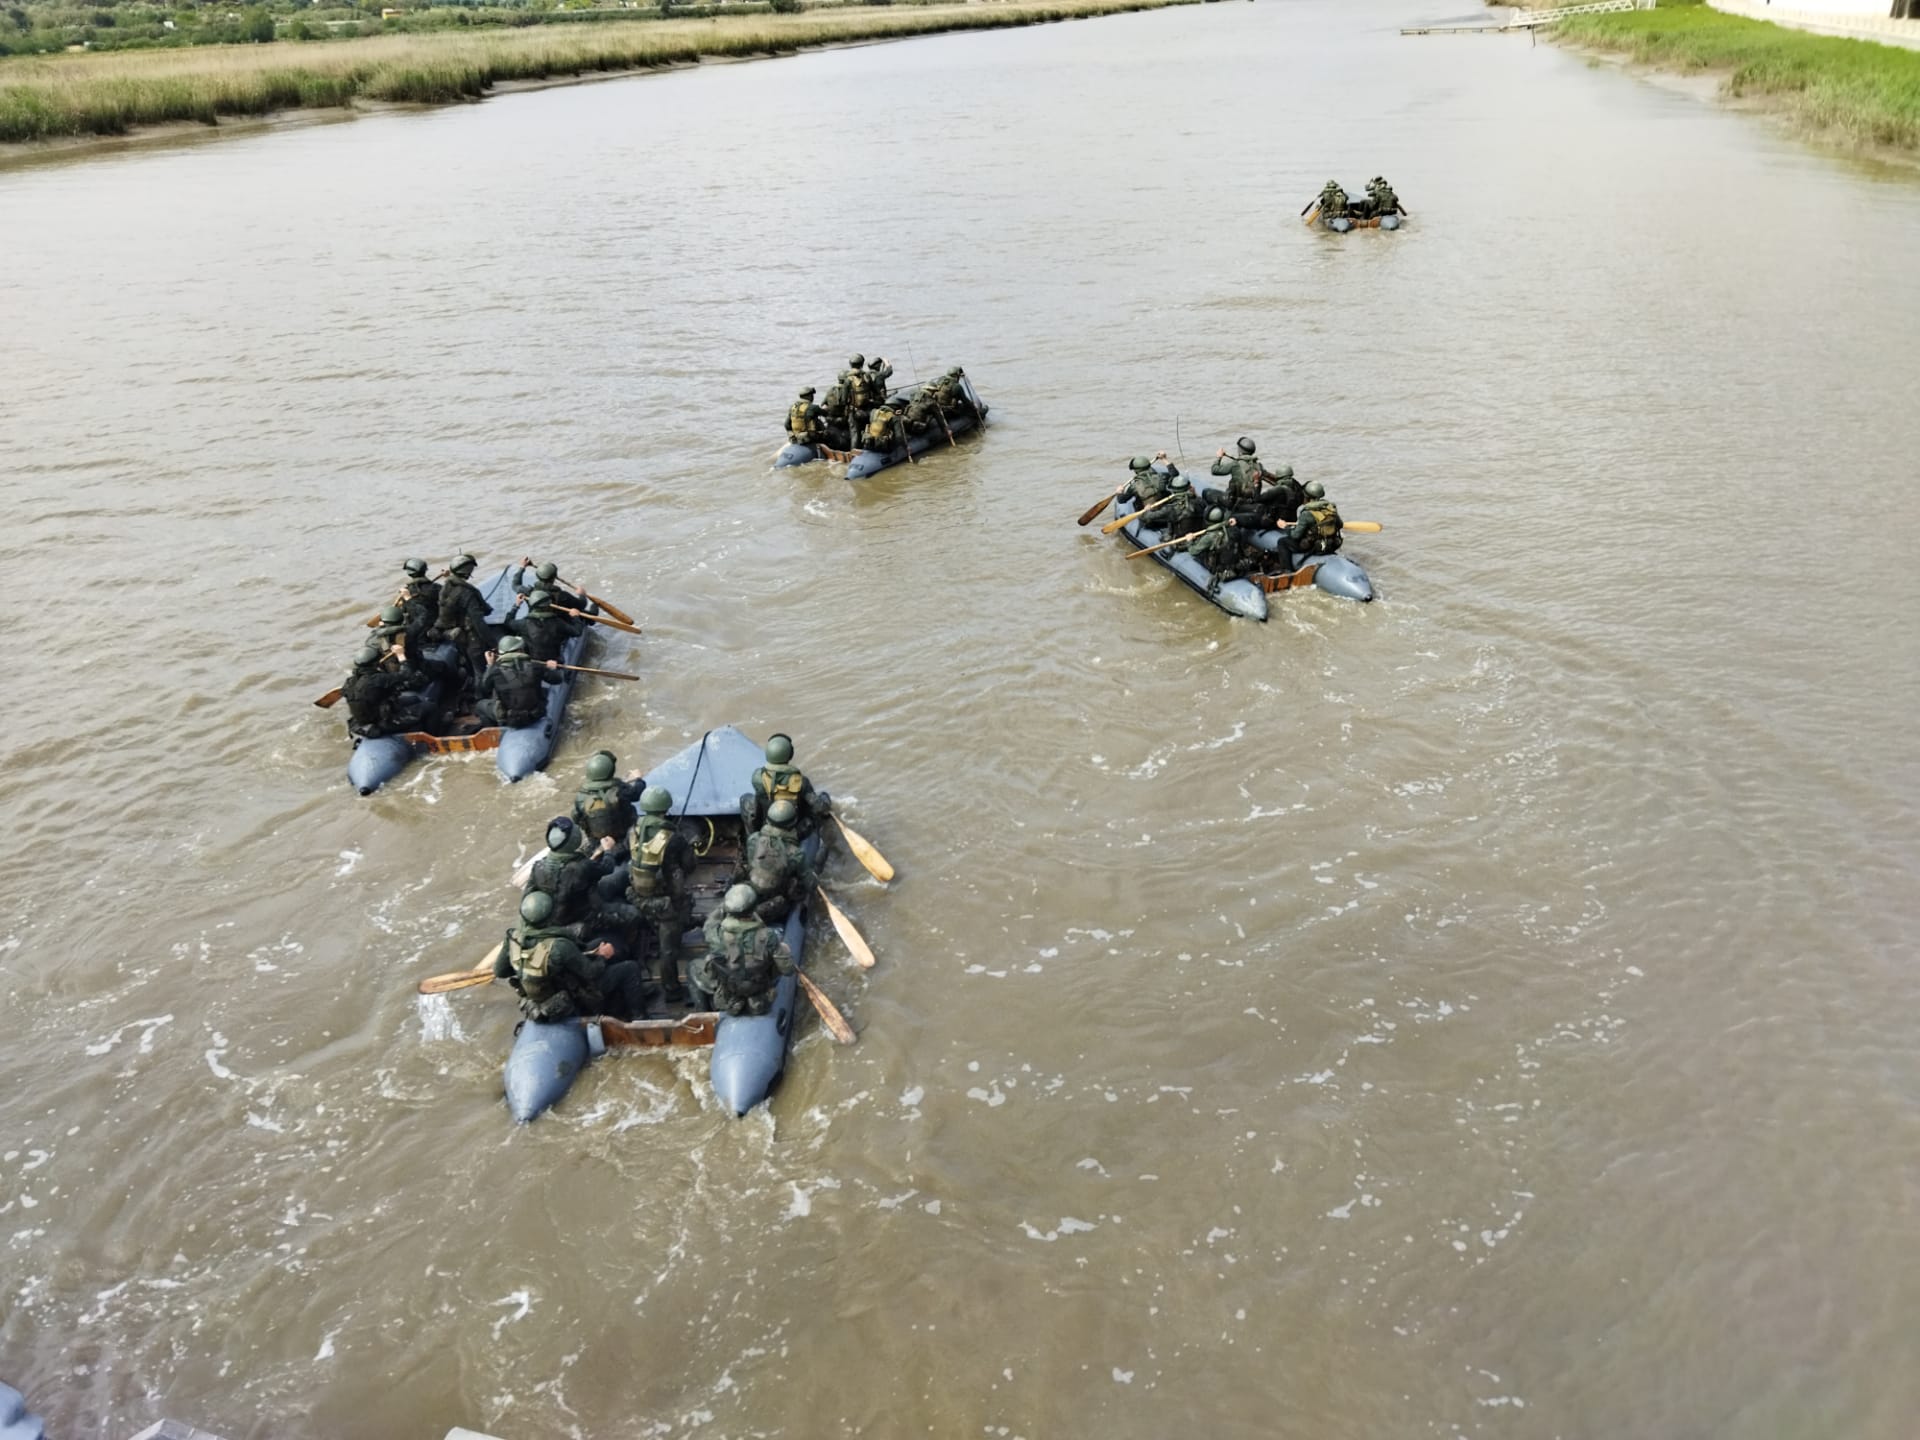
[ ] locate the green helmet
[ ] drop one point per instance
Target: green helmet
(562, 834)
(392, 615)
(601, 765)
(877, 362)
(780, 750)
(1314, 490)
(369, 655)
(656, 800)
(856, 362)
(536, 907)
(512, 645)
(782, 813)
(1180, 482)
(1285, 472)
(539, 600)
(807, 394)
(740, 899)
(463, 566)
(1139, 462)
(1216, 515)
(1245, 446)
(416, 568)
(547, 573)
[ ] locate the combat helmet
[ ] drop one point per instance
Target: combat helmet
(546, 572)
(740, 899)
(392, 615)
(807, 394)
(369, 655)
(539, 599)
(1216, 515)
(783, 814)
(536, 907)
(562, 833)
(656, 800)
(512, 645)
(1139, 462)
(857, 362)
(1179, 482)
(780, 750)
(1245, 446)
(1314, 490)
(416, 568)
(601, 765)
(463, 565)
(1285, 472)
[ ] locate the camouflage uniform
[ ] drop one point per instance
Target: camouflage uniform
(1148, 484)
(1218, 548)
(743, 964)
(1317, 529)
(378, 700)
(883, 430)
(784, 782)
(657, 866)
(463, 620)
(803, 420)
(547, 631)
(1179, 516)
(512, 692)
(570, 877)
(603, 808)
(557, 979)
(779, 871)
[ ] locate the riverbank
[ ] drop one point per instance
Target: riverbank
(102, 96)
(1852, 93)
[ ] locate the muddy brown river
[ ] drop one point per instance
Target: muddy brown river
(1485, 1011)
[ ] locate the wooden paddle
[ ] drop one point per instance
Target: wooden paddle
(1113, 525)
(864, 852)
(606, 620)
(330, 699)
(1181, 540)
(850, 937)
(1362, 527)
(614, 610)
(589, 670)
(830, 1017)
(481, 974)
(525, 872)
(906, 439)
(1088, 518)
(1309, 219)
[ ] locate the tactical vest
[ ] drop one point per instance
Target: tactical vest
(521, 702)
(780, 782)
(880, 428)
(453, 604)
(1323, 526)
(533, 967)
(742, 963)
(769, 866)
(646, 871)
(600, 808)
(859, 391)
(797, 421)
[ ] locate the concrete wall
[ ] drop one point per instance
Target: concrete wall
(1855, 19)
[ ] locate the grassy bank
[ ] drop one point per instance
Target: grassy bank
(1849, 91)
(110, 94)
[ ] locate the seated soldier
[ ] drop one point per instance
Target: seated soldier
(1147, 485)
(1180, 515)
(1243, 477)
(510, 690)
(1316, 530)
(382, 698)
(803, 419)
(834, 424)
(569, 870)
(775, 865)
(744, 961)
(1385, 202)
(950, 391)
(603, 806)
(1333, 201)
(545, 629)
(658, 864)
(923, 414)
(1279, 501)
(779, 779)
(556, 979)
(882, 431)
(1218, 548)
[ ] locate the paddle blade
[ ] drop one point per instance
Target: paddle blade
(875, 862)
(457, 980)
(614, 610)
(1362, 527)
(330, 699)
(525, 872)
(835, 1022)
(855, 942)
(1087, 519)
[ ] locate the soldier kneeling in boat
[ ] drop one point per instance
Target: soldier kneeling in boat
(546, 631)
(1385, 202)
(555, 977)
(603, 805)
(923, 414)
(1279, 500)
(776, 865)
(568, 872)
(657, 866)
(1333, 201)
(883, 429)
(1148, 485)
(1219, 547)
(1316, 530)
(744, 961)
(803, 419)
(1181, 514)
(383, 698)
(950, 394)
(780, 779)
(511, 691)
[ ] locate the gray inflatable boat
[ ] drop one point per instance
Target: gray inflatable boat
(749, 1051)
(519, 750)
(1248, 596)
(862, 463)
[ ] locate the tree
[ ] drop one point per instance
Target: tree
(256, 25)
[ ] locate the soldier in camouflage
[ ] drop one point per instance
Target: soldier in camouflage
(658, 863)
(556, 979)
(1219, 548)
(569, 871)
(745, 958)
(603, 806)
(776, 865)
(546, 631)
(780, 779)
(1316, 530)
(511, 691)
(803, 419)
(463, 615)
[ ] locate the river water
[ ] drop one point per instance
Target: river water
(1484, 1011)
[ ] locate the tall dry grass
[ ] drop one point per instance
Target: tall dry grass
(47, 97)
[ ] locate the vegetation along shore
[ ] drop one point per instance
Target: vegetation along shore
(113, 92)
(1851, 92)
